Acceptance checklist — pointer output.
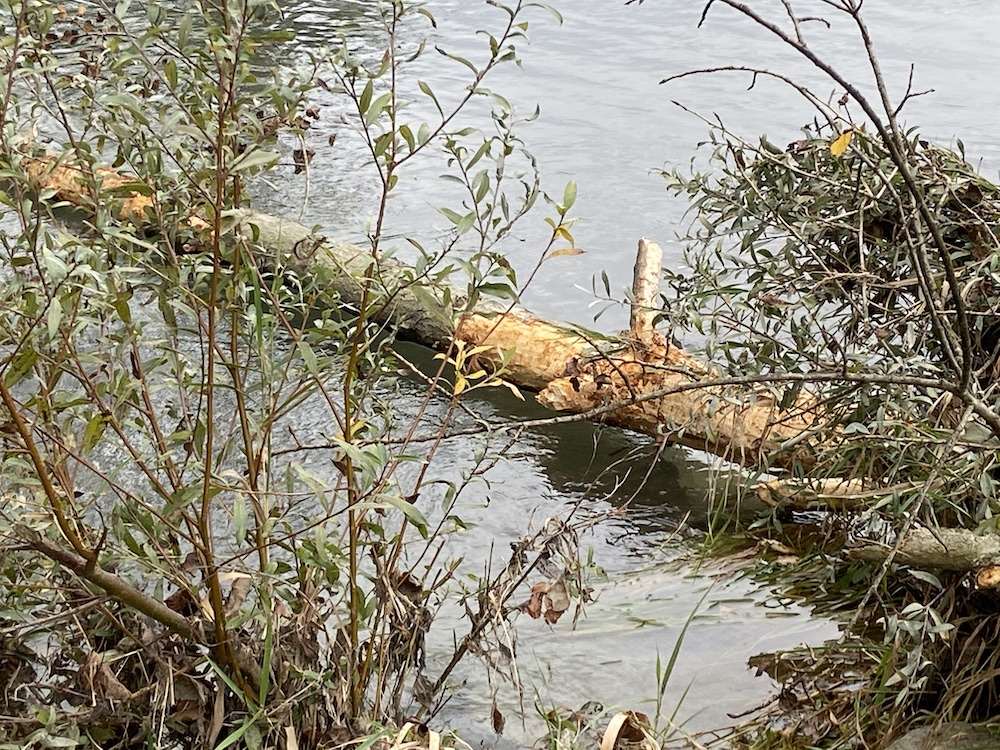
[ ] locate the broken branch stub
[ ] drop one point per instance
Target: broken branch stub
(645, 289)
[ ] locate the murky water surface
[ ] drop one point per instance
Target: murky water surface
(608, 124)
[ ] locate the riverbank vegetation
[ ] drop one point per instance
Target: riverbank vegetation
(220, 527)
(858, 265)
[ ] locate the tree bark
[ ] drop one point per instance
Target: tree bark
(572, 369)
(938, 549)
(117, 587)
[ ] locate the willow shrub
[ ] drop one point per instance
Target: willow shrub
(810, 259)
(178, 566)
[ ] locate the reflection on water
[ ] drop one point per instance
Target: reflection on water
(317, 25)
(607, 124)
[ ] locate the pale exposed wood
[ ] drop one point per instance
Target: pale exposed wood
(804, 494)
(988, 577)
(645, 289)
(71, 184)
(742, 424)
(938, 549)
(833, 493)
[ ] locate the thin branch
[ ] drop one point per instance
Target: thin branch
(116, 587)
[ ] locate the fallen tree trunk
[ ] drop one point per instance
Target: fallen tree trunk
(572, 369)
(635, 380)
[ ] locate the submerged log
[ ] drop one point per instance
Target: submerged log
(634, 381)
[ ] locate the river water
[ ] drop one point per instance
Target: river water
(607, 124)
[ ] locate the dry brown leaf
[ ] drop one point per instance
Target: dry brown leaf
(218, 717)
(101, 680)
(408, 586)
(112, 686)
(238, 595)
(549, 599)
(535, 604)
(557, 600)
(186, 711)
(88, 673)
(498, 719)
(302, 157)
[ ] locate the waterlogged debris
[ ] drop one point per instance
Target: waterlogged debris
(549, 599)
(629, 729)
(497, 719)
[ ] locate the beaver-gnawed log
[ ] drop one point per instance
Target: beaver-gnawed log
(573, 369)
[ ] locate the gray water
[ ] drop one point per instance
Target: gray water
(607, 124)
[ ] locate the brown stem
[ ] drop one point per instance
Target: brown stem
(222, 646)
(66, 525)
(116, 587)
